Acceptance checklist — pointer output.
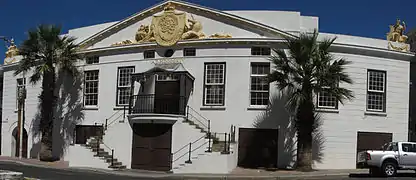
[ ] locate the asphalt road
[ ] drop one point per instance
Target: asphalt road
(45, 173)
(59, 174)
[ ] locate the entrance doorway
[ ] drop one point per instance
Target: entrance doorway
(167, 97)
(16, 143)
(84, 132)
(151, 147)
(257, 148)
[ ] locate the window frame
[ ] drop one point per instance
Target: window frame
(18, 86)
(146, 52)
(262, 51)
(206, 85)
(185, 50)
(119, 87)
(84, 88)
(369, 91)
(92, 60)
(318, 95)
(258, 75)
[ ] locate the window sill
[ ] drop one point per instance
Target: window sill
(327, 110)
(16, 111)
(256, 108)
(212, 108)
(120, 108)
(90, 108)
(372, 113)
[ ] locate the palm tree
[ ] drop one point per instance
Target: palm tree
(45, 52)
(307, 68)
(412, 39)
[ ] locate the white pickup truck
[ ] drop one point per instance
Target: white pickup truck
(394, 156)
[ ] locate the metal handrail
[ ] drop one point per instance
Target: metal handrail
(198, 113)
(105, 145)
(190, 148)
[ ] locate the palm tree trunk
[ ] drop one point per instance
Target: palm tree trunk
(305, 123)
(47, 99)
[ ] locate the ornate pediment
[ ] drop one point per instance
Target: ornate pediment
(169, 27)
(397, 39)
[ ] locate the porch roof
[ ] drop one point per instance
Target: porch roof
(174, 68)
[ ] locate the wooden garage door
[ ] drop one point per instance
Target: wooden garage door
(372, 140)
(151, 147)
(257, 148)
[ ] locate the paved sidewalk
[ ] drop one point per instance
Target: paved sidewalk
(238, 173)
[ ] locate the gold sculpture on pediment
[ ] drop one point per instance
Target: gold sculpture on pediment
(170, 27)
(397, 38)
(396, 33)
(12, 50)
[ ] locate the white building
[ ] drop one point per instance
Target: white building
(212, 72)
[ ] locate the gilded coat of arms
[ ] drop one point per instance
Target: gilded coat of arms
(168, 27)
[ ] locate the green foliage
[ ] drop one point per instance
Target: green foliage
(412, 39)
(305, 69)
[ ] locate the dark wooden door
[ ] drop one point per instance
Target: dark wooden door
(84, 132)
(257, 148)
(372, 140)
(167, 96)
(151, 147)
(17, 140)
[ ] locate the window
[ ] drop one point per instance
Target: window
(214, 84)
(259, 87)
(326, 100)
(189, 52)
(149, 54)
(91, 88)
(21, 83)
(376, 91)
(92, 60)
(260, 51)
(407, 147)
(124, 85)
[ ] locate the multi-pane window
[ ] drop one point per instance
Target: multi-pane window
(189, 52)
(259, 87)
(92, 60)
(21, 83)
(91, 88)
(327, 100)
(376, 90)
(214, 85)
(124, 85)
(149, 54)
(260, 51)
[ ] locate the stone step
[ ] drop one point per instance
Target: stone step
(116, 163)
(95, 149)
(108, 160)
(101, 154)
(118, 167)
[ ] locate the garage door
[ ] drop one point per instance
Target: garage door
(257, 148)
(151, 148)
(372, 140)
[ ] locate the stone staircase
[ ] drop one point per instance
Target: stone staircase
(95, 145)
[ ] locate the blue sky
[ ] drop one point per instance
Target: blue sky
(369, 18)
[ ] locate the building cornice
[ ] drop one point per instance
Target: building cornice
(336, 47)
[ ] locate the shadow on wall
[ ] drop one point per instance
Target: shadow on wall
(277, 116)
(68, 113)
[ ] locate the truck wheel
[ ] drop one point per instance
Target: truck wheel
(389, 169)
